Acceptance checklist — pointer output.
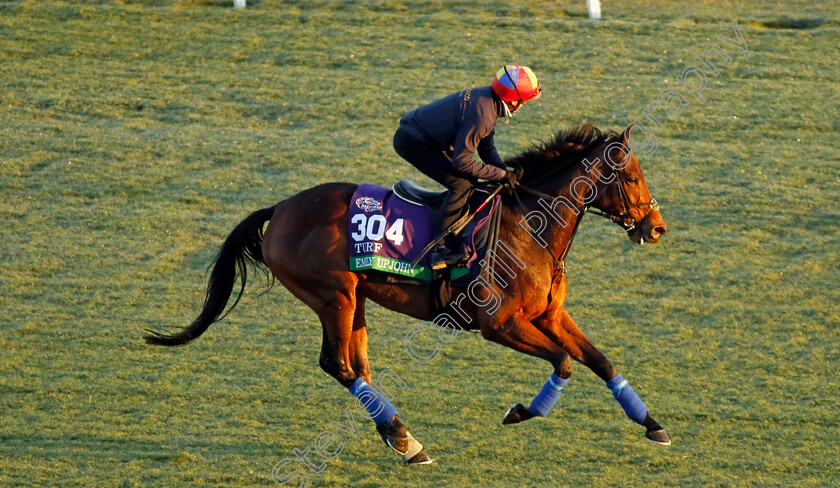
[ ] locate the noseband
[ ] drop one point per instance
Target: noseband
(623, 217)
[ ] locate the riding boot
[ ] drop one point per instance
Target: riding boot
(450, 255)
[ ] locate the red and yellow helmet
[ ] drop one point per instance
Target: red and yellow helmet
(516, 83)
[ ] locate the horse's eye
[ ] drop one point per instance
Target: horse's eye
(633, 180)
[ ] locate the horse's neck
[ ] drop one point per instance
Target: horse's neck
(562, 211)
(557, 217)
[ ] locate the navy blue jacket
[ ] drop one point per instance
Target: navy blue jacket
(464, 123)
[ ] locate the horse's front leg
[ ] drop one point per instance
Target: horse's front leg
(560, 327)
(520, 335)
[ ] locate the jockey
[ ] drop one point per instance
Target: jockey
(441, 138)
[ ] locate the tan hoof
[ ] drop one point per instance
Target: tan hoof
(420, 458)
(398, 438)
(407, 447)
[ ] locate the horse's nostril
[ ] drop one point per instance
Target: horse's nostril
(659, 229)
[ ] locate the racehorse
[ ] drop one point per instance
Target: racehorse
(305, 246)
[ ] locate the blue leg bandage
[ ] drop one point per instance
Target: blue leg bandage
(633, 406)
(542, 404)
(380, 409)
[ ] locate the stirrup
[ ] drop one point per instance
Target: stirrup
(439, 257)
(443, 257)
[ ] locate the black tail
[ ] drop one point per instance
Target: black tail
(242, 247)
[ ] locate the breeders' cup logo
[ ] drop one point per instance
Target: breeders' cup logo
(368, 204)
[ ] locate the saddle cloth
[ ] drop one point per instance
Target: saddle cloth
(388, 230)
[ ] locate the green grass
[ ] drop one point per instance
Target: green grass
(135, 135)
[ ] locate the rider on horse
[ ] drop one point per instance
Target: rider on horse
(441, 138)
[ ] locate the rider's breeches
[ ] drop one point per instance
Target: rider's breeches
(437, 165)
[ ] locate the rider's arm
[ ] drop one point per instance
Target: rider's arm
(487, 151)
(477, 125)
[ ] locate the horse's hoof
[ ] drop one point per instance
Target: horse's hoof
(658, 437)
(393, 431)
(398, 438)
(420, 458)
(516, 414)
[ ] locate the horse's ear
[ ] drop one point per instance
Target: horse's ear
(625, 136)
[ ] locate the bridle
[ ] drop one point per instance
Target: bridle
(622, 219)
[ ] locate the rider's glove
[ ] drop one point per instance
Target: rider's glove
(510, 179)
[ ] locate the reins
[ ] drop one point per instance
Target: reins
(558, 264)
(623, 219)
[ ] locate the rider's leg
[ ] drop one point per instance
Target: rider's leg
(455, 201)
(437, 165)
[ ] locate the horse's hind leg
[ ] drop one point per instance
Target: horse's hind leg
(359, 342)
(336, 315)
(394, 433)
(575, 342)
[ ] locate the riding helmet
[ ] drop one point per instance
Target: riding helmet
(516, 83)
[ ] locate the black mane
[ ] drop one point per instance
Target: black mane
(566, 148)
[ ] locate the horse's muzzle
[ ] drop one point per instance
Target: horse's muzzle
(650, 229)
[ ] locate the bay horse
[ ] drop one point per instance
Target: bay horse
(305, 247)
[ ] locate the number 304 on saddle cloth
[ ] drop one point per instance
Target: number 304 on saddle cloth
(386, 233)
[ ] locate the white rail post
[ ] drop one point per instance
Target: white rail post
(594, 8)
